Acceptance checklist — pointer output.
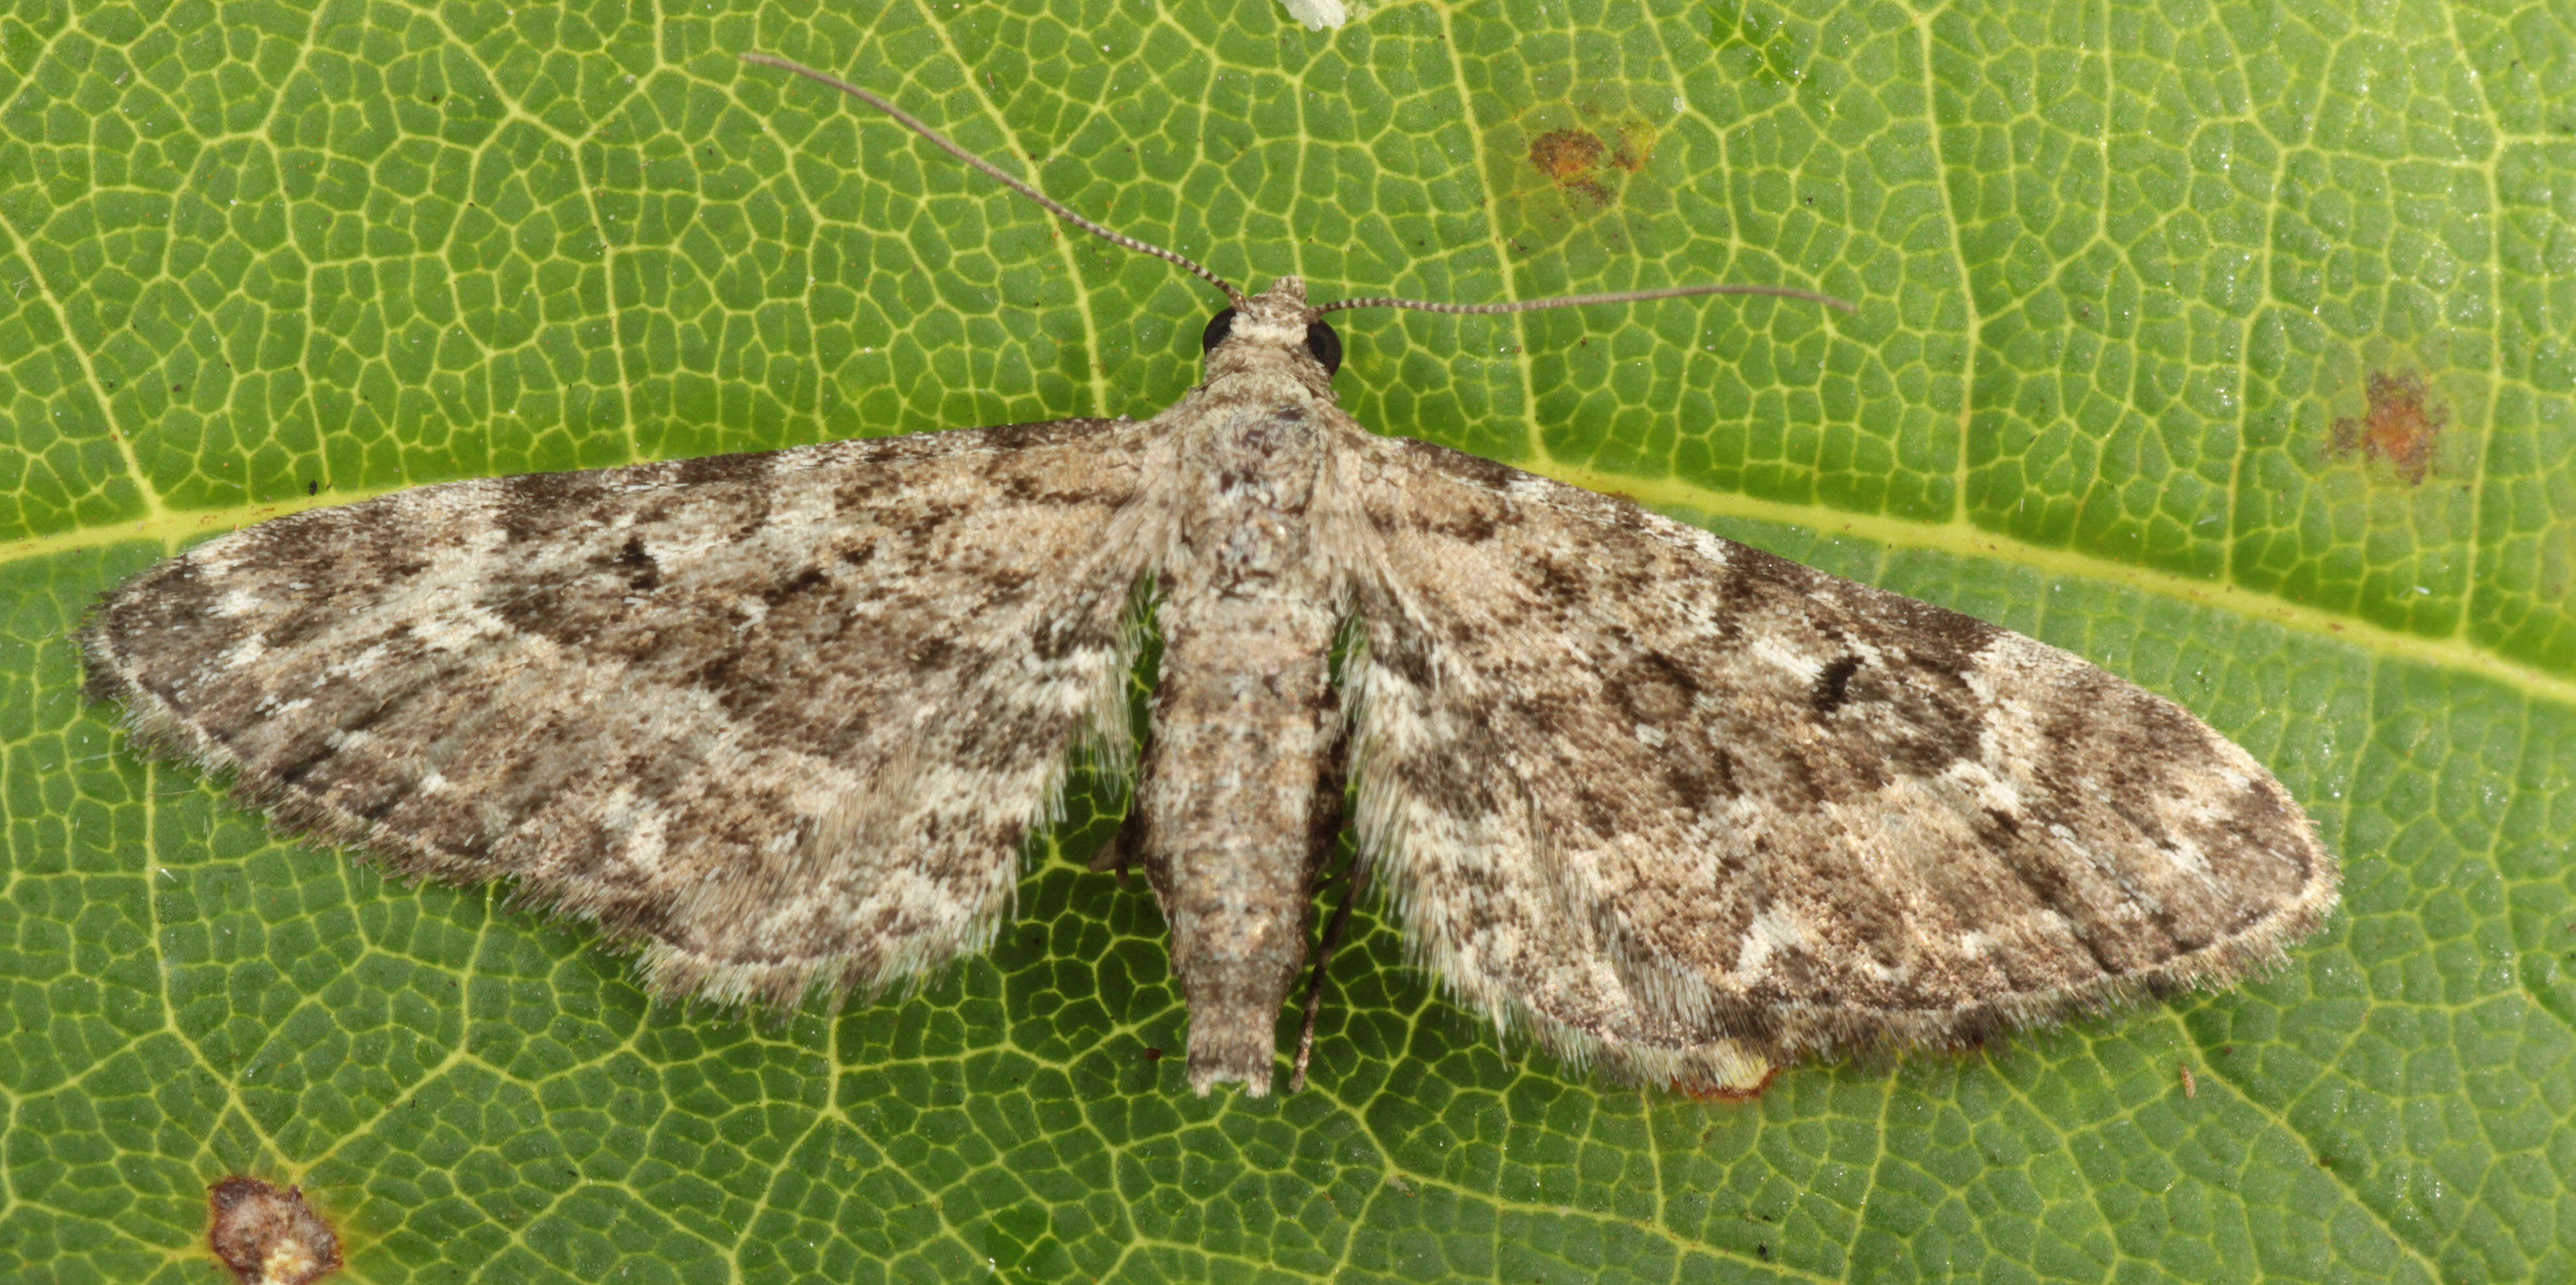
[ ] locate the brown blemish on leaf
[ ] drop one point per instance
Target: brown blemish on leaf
(1571, 159)
(1576, 159)
(2399, 427)
(268, 1236)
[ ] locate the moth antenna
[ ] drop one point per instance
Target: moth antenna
(1578, 300)
(1049, 204)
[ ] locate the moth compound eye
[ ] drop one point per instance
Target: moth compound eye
(1219, 326)
(1327, 346)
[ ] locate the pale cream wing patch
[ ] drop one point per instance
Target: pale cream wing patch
(1686, 807)
(781, 718)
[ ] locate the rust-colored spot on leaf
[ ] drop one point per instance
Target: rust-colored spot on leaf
(1729, 1092)
(2399, 427)
(1571, 159)
(268, 1236)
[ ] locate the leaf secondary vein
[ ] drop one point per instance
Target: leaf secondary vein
(1957, 537)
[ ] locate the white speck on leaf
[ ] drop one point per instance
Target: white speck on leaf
(1319, 15)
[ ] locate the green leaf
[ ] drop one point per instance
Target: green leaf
(2127, 275)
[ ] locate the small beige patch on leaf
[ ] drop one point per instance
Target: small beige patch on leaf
(2399, 427)
(1636, 146)
(1741, 1075)
(269, 1236)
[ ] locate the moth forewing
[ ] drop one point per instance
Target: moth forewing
(1686, 808)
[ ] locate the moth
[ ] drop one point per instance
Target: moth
(784, 721)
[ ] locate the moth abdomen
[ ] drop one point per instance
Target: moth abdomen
(1241, 797)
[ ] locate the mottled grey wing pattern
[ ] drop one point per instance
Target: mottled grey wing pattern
(731, 708)
(1686, 807)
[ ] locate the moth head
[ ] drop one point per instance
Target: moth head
(1277, 319)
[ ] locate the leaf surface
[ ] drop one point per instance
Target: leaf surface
(2226, 345)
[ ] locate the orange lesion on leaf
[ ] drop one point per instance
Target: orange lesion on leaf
(1579, 160)
(2399, 427)
(1571, 159)
(267, 1235)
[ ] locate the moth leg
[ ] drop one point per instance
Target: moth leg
(1331, 805)
(1124, 845)
(1358, 875)
(1120, 852)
